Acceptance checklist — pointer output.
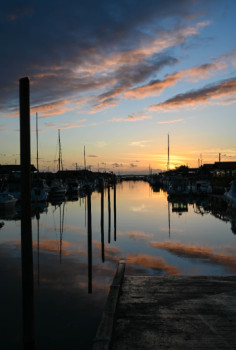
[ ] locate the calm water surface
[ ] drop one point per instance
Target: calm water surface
(72, 273)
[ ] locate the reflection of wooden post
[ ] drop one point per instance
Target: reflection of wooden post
(169, 217)
(109, 216)
(102, 223)
(114, 211)
(85, 212)
(89, 244)
(38, 217)
(26, 225)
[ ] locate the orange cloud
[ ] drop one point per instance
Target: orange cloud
(71, 126)
(193, 74)
(46, 110)
(171, 121)
(196, 252)
(153, 88)
(131, 118)
(110, 102)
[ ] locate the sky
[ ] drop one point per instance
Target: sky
(118, 76)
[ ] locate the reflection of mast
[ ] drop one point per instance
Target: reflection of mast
(61, 228)
(89, 245)
(114, 211)
(109, 216)
(38, 217)
(102, 223)
(169, 217)
(85, 204)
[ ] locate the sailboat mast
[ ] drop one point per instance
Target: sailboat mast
(168, 162)
(59, 151)
(60, 165)
(84, 159)
(37, 142)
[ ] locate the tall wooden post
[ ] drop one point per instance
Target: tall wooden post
(115, 211)
(26, 227)
(109, 215)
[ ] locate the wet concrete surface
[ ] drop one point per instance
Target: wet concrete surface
(175, 312)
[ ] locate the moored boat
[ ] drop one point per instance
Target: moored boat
(7, 201)
(230, 195)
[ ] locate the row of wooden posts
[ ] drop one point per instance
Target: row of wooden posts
(26, 224)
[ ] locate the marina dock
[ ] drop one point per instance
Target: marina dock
(168, 312)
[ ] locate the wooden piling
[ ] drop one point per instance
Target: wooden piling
(102, 224)
(109, 215)
(89, 244)
(114, 211)
(26, 226)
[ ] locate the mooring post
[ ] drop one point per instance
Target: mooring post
(115, 210)
(26, 226)
(109, 215)
(102, 224)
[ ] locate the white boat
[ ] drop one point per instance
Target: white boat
(7, 201)
(230, 196)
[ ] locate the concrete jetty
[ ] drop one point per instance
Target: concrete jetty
(168, 312)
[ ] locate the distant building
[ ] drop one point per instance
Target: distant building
(9, 169)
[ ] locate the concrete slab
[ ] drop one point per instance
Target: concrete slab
(175, 312)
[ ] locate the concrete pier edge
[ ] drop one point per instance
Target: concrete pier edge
(103, 336)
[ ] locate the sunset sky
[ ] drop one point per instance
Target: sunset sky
(117, 76)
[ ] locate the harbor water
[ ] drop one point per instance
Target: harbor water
(75, 255)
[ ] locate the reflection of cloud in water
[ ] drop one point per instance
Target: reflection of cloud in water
(72, 273)
(112, 254)
(140, 236)
(166, 229)
(156, 263)
(51, 245)
(70, 228)
(141, 208)
(205, 254)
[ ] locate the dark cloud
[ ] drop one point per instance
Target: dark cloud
(225, 89)
(62, 45)
(116, 165)
(128, 76)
